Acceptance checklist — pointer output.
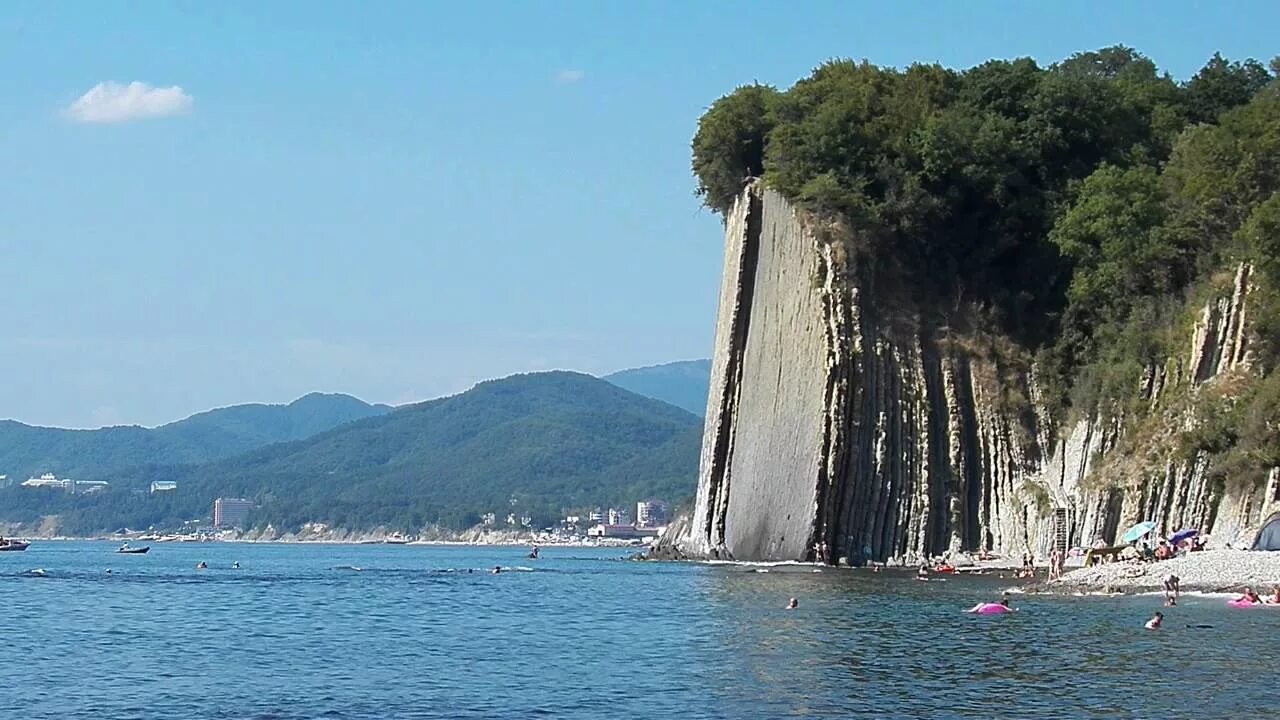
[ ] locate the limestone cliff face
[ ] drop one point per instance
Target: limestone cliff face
(836, 432)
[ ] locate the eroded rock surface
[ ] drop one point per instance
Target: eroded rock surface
(835, 432)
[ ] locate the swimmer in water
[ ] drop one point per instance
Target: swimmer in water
(497, 569)
(235, 565)
(792, 604)
(922, 573)
(1154, 622)
(201, 565)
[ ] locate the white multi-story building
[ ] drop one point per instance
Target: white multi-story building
(231, 512)
(618, 517)
(651, 513)
(49, 480)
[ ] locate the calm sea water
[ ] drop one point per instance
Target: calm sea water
(298, 632)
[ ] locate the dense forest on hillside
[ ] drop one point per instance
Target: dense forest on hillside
(27, 450)
(1078, 208)
(538, 444)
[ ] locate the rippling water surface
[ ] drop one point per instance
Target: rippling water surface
(365, 631)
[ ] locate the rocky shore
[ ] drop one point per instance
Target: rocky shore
(1208, 571)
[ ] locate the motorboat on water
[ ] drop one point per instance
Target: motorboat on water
(125, 549)
(13, 545)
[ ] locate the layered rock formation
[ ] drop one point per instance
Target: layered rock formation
(839, 429)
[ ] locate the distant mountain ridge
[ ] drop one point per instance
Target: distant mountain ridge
(546, 441)
(27, 450)
(683, 383)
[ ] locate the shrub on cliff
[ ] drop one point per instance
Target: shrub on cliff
(730, 143)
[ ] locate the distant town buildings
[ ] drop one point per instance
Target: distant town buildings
(488, 519)
(595, 516)
(618, 516)
(163, 486)
(231, 512)
(52, 482)
(652, 513)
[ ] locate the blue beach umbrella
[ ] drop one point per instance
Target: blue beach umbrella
(1137, 531)
(1183, 535)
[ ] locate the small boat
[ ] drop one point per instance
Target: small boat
(13, 546)
(133, 551)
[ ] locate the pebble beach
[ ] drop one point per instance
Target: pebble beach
(1206, 571)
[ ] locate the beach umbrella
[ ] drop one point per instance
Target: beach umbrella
(1182, 535)
(1137, 531)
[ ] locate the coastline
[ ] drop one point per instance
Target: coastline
(503, 542)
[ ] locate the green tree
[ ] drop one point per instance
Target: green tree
(1222, 85)
(729, 146)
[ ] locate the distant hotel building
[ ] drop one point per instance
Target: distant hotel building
(51, 481)
(651, 513)
(231, 512)
(163, 486)
(618, 517)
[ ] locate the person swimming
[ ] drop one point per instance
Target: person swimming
(202, 565)
(235, 565)
(792, 604)
(1249, 596)
(497, 569)
(1154, 622)
(922, 573)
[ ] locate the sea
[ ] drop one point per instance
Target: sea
(414, 631)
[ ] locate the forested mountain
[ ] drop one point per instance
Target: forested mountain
(1076, 216)
(26, 450)
(534, 443)
(683, 384)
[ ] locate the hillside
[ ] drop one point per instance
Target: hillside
(26, 450)
(549, 441)
(683, 384)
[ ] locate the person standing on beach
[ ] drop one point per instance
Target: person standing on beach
(1172, 585)
(1055, 565)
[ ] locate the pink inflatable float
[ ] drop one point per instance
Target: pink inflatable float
(989, 609)
(1237, 603)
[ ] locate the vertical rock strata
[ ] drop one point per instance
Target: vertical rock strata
(835, 434)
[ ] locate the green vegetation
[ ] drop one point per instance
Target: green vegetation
(26, 451)
(1078, 208)
(549, 441)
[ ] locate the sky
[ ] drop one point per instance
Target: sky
(204, 204)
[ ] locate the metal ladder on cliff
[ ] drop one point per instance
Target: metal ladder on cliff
(1061, 530)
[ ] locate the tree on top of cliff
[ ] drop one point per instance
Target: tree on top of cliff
(730, 144)
(1075, 205)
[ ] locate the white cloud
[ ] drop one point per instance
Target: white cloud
(566, 77)
(111, 102)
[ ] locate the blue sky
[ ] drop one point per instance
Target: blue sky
(397, 199)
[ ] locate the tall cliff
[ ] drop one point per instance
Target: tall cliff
(845, 430)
